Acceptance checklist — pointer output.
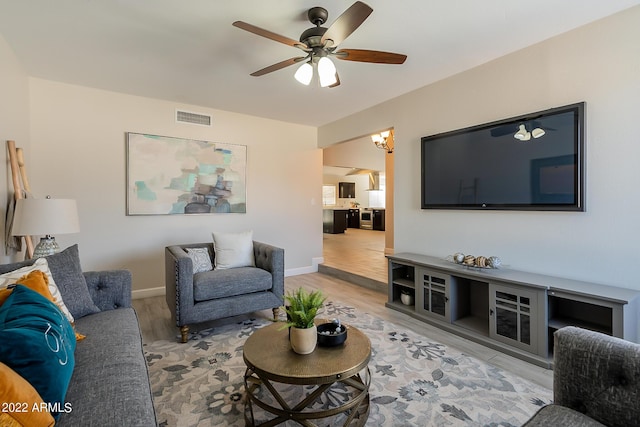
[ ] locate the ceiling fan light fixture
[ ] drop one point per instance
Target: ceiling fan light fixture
(326, 72)
(537, 132)
(522, 134)
(304, 74)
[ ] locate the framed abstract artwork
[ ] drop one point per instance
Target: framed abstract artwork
(175, 176)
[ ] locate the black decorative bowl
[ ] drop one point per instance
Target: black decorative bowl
(328, 337)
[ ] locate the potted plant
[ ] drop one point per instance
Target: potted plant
(302, 308)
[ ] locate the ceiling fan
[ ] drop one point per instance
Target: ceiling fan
(321, 43)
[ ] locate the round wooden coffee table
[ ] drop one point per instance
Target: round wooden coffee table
(330, 382)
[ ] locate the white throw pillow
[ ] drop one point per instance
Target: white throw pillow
(41, 264)
(233, 250)
(200, 259)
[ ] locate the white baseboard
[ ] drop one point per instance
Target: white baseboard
(146, 293)
(313, 268)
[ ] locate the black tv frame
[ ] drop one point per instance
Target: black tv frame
(541, 202)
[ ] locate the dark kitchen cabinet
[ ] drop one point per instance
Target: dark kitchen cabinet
(354, 218)
(334, 220)
(347, 190)
(378, 219)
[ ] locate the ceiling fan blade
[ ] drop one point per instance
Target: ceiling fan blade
(363, 55)
(346, 23)
(278, 66)
(270, 35)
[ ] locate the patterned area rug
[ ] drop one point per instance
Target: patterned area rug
(415, 381)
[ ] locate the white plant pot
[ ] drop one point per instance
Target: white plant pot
(303, 341)
(407, 299)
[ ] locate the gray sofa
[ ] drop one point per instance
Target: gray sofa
(110, 382)
(596, 381)
(216, 294)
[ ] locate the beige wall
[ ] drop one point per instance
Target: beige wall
(78, 151)
(14, 124)
(598, 63)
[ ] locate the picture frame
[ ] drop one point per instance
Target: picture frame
(179, 176)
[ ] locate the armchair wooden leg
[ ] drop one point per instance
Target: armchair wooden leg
(184, 331)
(276, 314)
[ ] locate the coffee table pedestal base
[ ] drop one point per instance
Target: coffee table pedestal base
(264, 394)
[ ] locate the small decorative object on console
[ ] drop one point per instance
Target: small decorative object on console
(406, 297)
(475, 261)
(331, 334)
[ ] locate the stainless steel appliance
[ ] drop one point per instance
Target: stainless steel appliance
(366, 218)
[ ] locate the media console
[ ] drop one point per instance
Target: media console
(512, 311)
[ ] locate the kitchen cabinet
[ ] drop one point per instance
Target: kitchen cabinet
(334, 220)
(347, 190)
(378, 219)
(354, 218)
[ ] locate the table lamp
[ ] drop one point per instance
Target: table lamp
(37, 217)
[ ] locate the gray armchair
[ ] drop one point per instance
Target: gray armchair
(195, 298)
(596, 381)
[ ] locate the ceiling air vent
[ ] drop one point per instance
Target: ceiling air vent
(193, 118)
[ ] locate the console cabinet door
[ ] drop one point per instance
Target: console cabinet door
(433, 294)
(513, 316)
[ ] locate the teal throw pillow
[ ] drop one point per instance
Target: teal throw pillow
(38, 342)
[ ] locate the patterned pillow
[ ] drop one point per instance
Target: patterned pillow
(200, 258)
(39, 265)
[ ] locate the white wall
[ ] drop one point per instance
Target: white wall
(78, 151)
(358, 153)
(362, 184)
(14, 125)
(599, 64)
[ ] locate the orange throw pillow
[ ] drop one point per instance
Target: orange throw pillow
(15, 390)
(37, 281)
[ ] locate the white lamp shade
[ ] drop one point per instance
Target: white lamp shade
(304, 74)
(326, 72)
(38, 217)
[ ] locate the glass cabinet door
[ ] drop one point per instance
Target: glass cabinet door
(433, 296)
(513, 316)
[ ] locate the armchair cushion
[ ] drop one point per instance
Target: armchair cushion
(596, 381)
(233, 250)
(556, 415)
(230, 282)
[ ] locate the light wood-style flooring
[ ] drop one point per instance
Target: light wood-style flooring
(156, 324)
(356, 251)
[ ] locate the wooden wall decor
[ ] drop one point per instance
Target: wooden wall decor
(21, 187)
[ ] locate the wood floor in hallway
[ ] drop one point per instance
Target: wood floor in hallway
(357, 251)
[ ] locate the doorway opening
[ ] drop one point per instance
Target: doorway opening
(360, 248)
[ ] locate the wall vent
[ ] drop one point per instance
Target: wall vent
(193, 118)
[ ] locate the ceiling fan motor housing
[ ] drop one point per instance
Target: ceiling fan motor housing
(318, 15)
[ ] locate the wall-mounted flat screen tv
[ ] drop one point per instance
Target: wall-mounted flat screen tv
(530, 162)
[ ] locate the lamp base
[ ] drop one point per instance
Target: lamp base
(47, 246)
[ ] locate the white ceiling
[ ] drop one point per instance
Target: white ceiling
(187, 51)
